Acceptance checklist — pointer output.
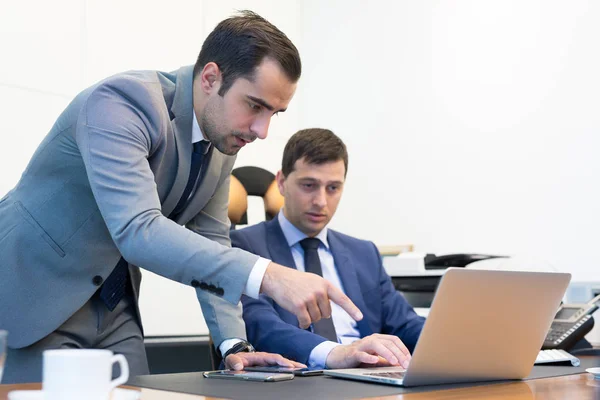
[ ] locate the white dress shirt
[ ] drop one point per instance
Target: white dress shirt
(345, 326)
(257, 274)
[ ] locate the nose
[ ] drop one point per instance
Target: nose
(260, 127)
(320, 197)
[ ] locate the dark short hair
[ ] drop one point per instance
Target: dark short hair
(316, 146)
(240, 43)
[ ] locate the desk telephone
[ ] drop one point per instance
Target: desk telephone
(571, 323)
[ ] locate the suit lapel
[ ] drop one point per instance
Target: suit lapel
(182, 109)
(278, 246)
(280, 252)
(347, 271)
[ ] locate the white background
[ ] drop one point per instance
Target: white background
(472, 126)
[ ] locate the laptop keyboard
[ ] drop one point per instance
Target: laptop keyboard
(395, 375)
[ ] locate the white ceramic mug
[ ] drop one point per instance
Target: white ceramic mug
(73, 374)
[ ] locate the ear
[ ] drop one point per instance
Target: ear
(280, 178)
(210, 78)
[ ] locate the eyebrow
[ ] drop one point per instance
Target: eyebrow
(264, 103)
(309, 179)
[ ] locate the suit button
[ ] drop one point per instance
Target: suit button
(219, 291)
(212, 288)
(203, 286)
(97, 280)
(195, 283)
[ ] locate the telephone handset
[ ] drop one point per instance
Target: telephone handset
(454, 260)
(571, 323)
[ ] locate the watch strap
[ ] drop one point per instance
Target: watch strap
(242, 346)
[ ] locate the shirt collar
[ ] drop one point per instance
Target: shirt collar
(197, 134)
(293, 235)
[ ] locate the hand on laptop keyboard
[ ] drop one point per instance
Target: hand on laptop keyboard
(555, 357)
(374, 350)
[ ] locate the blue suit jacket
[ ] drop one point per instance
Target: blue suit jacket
(271, 328)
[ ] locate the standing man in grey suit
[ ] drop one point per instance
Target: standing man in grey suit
(129, 165)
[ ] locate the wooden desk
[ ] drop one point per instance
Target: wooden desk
(581, 387)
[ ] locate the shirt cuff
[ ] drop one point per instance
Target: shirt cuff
(255, 278)
(318, 355)
(227, 344)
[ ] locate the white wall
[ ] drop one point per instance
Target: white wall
(470, 124)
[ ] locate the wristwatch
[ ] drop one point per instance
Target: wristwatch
(240, 347)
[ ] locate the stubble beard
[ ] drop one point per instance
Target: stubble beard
(218, 139)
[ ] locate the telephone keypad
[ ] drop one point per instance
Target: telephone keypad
(561, 331)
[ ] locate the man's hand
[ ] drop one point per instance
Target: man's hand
(305, 295)
(375, 350)
(238, 361)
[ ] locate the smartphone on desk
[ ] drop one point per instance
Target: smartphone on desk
(278, 369)
(248, 375)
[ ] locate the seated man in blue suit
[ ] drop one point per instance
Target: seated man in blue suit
(314, 167)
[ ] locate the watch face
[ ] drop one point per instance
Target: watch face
(244, 347)
(240, 347)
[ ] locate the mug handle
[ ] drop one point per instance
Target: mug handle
(120, 358)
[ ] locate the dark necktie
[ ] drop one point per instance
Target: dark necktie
(115, 286)
(324, 327)
(197, 157)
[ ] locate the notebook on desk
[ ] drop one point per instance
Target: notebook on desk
(482, 326)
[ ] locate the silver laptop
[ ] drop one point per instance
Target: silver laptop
(483, 325)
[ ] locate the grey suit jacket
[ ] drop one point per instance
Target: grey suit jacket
(99, 187)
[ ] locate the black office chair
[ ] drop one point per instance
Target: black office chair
(252, 181)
